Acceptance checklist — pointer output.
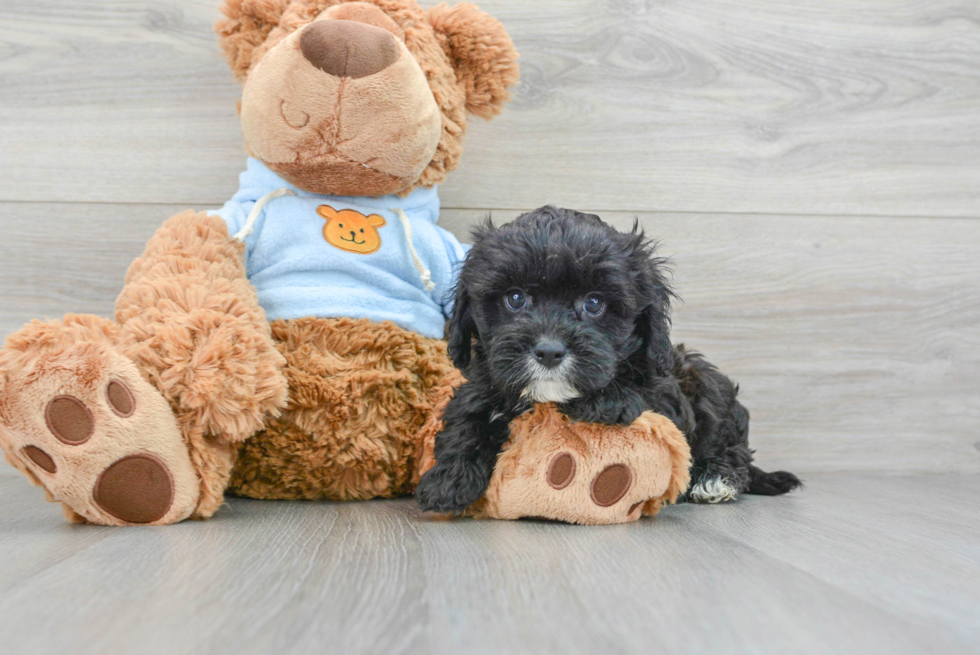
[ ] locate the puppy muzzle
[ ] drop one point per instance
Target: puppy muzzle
(550, 383)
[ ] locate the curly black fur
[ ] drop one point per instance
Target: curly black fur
(618, 362)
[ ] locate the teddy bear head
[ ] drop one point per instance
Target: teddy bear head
(363, 98)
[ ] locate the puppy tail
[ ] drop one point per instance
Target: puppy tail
(771, 484)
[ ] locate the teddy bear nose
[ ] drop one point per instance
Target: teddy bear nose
(347, 48)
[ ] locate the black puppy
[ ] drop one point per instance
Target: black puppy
(558, 306)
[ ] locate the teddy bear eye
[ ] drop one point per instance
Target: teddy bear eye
(362, 230)
(341, 225)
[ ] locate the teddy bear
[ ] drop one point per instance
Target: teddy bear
(288, 344)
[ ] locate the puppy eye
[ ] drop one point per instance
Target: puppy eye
(593, 304)
(515, 299)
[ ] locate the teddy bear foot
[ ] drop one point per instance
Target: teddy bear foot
(556, 468)
(82, 422)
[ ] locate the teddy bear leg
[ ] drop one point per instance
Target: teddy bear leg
(192, 322)
(79, 419)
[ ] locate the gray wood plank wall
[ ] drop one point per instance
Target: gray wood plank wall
(813, 169)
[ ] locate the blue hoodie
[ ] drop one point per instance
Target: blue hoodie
(360, 266)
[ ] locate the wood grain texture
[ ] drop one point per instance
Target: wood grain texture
(852, 564)
(855, 340)
(838, 107)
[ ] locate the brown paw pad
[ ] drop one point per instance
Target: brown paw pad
(611, 484)
(69, 420)
(120, 399)
(135, 489)
(40, 458)
(561, 471)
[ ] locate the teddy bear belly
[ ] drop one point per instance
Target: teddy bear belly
(364, 403)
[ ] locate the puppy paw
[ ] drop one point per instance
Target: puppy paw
(84, 424)
(621, 408)
(712, 490)
(450, 488)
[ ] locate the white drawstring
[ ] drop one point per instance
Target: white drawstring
(257, 209)
(419, 266)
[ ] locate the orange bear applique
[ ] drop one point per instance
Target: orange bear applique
(351, 230)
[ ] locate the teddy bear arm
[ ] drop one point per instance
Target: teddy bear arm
(192, 322)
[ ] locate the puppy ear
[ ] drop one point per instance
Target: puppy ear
(246, 26)
(462, 328)
(481, 52)
(654, 328)
(653, 323)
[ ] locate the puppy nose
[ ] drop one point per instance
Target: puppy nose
(347, 48)
(549, 352)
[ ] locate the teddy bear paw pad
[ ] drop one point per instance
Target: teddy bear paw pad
(69, 420)
(135, 489)
(561, 471)
(611, 485)
(99, 438)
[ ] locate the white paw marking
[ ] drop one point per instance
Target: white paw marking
(715, 490)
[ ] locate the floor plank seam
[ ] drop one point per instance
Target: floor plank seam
(646, 212)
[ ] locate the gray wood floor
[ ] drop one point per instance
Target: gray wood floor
(855, 563)
(812, 169)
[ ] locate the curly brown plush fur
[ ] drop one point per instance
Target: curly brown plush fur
(367, 398)
(191, 320)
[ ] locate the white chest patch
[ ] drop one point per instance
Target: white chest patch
(550, 391)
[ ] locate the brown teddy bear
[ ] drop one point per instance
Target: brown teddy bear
(214, 377)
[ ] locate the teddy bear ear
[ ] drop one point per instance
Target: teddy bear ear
(481, 52)
(245, 26)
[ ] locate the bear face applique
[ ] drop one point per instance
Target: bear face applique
(351, 230)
